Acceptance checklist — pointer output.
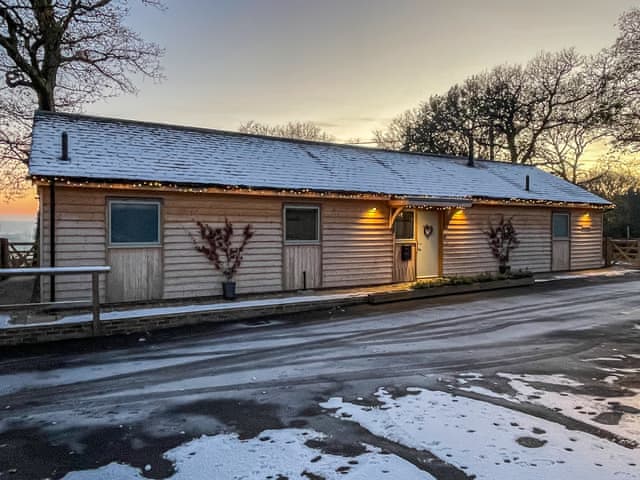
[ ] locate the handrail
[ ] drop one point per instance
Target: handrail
(53, 270)
(95, 272)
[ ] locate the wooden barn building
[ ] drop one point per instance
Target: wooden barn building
(127, 194)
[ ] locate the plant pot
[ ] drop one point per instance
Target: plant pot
(229, 290)
(504, 269)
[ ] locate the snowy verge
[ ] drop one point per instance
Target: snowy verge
(274, 454)
(490, 441)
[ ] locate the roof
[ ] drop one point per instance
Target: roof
(103, 149)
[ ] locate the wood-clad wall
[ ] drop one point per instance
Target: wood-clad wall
(187, 273)
(80, 240)
(465, 247)
(357, 244)
(586, 239)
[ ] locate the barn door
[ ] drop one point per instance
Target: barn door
(302, 250)
(561, 242)
(134, 251)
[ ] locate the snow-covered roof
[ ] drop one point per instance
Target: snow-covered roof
(103, 149)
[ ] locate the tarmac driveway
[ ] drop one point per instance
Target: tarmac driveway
(531, 383)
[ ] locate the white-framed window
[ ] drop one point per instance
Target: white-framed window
(301, 224)
(134, 222)
(560, 226)
(403, 226)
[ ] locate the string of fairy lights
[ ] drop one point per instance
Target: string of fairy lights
(309, 193)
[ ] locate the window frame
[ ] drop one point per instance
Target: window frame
(413, 229)
(145, 201)
(284, 224)
(567, 215)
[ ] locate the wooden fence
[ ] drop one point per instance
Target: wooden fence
(17, 254)
(622, 251)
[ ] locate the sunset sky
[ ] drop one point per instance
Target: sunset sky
(348, 65)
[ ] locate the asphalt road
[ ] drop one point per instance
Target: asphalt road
(81, 405)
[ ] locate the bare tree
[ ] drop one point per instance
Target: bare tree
(508, 110)
(394, 136)
(62, 54)
(296, 130)
(622, 65)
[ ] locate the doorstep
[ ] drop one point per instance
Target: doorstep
(414, 294)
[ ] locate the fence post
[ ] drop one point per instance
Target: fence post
(95, 302)
(4, 253)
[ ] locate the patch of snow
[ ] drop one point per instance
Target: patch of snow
(581, 407)
(557, 379)
(485, 392)
(274, 454)
(482, 439)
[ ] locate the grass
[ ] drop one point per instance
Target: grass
(469, 280)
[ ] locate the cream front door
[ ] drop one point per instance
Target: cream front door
(428, 243)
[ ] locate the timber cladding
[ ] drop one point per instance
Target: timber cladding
(357, 243)
(355, 249)
(466, 251)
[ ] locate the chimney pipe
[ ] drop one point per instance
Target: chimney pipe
(470, 162)
(65, 146)
(526, 183)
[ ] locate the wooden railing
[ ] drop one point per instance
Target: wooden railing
(22, 254)
(622, 251)
(17, 254)
(93, 271)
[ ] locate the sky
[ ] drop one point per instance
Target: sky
(348, 65)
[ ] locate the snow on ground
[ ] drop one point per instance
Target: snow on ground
(5, 321)
(490, 441)
(274, 454)
(585, 408)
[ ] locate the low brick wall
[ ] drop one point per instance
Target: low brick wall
(387, 297)
(35, 333)
(66, 331)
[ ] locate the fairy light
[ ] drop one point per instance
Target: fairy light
(306, 192)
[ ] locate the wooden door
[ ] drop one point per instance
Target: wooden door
(134, 239)
(302, 248)
(428, 244)
(561, 242)
(404, 247)
(302, 267)
(136, 274)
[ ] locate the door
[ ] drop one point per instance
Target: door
(302, 251)
(561, 242)
(134, 250)
(428, 244)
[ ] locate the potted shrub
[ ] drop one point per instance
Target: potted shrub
(502, 238)
(218, 247)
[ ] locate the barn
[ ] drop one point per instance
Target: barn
(128, 194)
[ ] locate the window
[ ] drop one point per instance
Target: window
(134, 222)
(403, 225)
(560, 225)
(301, 224)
